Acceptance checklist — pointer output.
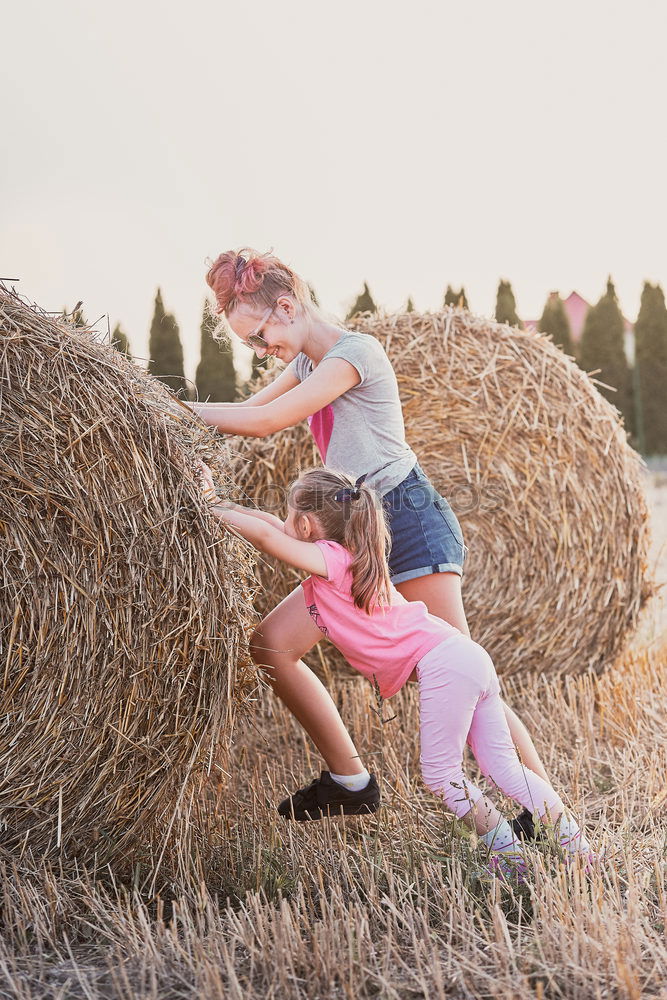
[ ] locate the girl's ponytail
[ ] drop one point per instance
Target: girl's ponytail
(352, 515)
(367, 538)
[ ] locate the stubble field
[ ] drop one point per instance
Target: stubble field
(656, 493)
(393, 905)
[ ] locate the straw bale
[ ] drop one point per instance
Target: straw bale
(535, 463)
(124, 609)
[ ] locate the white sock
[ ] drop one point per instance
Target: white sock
(353, 782)
(502, 840)
(570, 837)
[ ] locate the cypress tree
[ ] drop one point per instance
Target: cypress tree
(313, 296)
(120, 341)
(260, 365)
(554, 322)
(164, 348)
(410, 307)
(75, 317)
(364, 303)
(453, 298)
(602, 347)
(506, 305)
(216, 375)
(651, 371)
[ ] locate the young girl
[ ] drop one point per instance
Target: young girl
(344, 384)
(336, 531)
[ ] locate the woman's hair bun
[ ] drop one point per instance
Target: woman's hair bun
(257, 279)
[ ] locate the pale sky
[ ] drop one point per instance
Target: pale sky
(406, 144)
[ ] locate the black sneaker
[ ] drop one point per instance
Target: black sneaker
(325, 797)
(524, 827)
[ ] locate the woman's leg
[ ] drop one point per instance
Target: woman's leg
(277, 646)
(441, 593)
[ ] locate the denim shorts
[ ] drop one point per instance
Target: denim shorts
(426, 536)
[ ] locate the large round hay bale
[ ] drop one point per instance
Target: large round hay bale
(123, 608)
(536, 464)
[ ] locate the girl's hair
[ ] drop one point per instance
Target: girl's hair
(256, 279)
(357, 524)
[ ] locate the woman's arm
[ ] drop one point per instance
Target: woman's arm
(331, 379)
(283, 383)
(273, 541)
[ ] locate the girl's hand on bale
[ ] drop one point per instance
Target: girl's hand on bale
(210, 491)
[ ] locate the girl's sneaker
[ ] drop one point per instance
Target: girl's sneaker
(589, 860)
(511, 867)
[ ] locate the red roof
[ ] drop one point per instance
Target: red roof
(576, 308)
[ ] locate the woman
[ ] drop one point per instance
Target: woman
(343, 383)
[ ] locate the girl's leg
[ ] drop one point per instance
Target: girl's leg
(277, 646)
(441, 593)
(492, 745)
(458, 691)
(448, 699)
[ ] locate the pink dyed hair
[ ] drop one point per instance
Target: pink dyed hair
(255, 279)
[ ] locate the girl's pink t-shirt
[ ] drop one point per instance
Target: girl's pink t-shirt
(386, 644)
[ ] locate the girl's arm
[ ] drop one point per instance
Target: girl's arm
(283, 383)
(273, 541)
(211, 495)
(262, 515)
(331, 379)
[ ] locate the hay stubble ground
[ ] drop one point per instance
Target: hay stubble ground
(389, 906)
(394, 905)
(656, 494)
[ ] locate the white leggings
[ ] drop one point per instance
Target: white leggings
(459, 701)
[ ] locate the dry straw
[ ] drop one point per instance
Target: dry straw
(535, 463)
(123, 607)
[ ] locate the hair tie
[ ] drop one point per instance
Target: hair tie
(350, 493)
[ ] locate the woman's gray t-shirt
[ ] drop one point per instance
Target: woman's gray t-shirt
(362, 431)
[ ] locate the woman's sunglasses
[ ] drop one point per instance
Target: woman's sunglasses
(255, 339)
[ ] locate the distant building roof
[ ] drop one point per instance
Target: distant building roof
(576, 308)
